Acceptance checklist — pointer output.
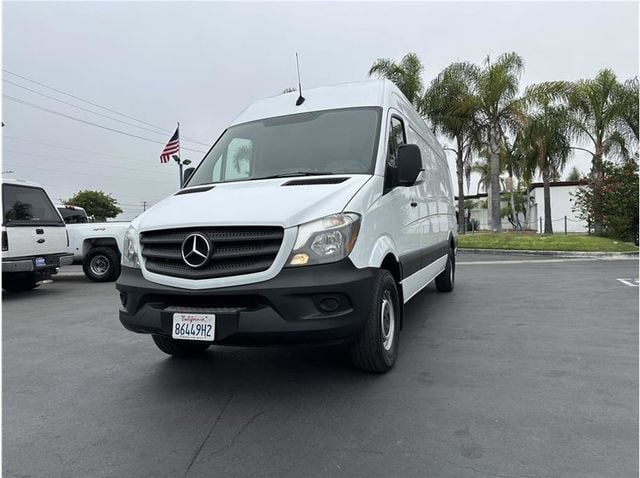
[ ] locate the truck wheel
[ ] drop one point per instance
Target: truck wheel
(18, 282)
(179, 348)
(102, 264)
(376, 348)
(446, 279)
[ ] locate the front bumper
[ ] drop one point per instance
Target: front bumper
(308, 304)
(30, 263)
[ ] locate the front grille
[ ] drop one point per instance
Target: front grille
(236, 251)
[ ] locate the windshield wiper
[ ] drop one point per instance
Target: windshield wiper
(292, 174)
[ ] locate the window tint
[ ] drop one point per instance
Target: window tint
(396, 138)
(27, 205)
(73, 215)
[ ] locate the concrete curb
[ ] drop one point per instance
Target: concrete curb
(516, 252)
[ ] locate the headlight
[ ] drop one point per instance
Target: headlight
(325, 240)
(130, 249)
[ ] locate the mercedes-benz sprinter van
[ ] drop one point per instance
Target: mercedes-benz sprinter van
(310, 219)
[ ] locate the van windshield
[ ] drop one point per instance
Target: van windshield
(340, 141)
(26, 206)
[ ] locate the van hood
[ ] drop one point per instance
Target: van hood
(258, 202)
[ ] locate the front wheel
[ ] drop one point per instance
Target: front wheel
(376, 348)
(179, 348)
(102, 264)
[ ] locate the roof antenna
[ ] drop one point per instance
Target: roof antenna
(300, 99)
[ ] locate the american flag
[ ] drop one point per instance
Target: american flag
(172, 147)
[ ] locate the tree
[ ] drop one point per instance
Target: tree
(483, 169)
(97, 203)
(600, 109)
(629, 97)
(617, 208)
(450, 105)
(499, 110)
(545, 142)
(406, 75)
(574, 175)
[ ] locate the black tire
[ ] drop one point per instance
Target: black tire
(18, 282)
(102, 264)
(446, 279)
(180, 348)
(376, 347)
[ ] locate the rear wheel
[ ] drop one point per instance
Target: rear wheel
(18, 282)
(102, 264)
(376, 348)
(180, 348)
(446, 279)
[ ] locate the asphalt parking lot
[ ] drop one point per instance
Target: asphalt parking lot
(528, 369)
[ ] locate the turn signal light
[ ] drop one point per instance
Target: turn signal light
(299, 259)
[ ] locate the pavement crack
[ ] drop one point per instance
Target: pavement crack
(497, 475)
(206, 438)
(239, 432)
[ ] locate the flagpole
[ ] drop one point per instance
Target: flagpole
(179, 158)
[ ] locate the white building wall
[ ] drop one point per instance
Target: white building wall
(561, 206)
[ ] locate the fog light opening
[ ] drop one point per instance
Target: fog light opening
(329, 304)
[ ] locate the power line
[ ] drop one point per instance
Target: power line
(17, 166)
(71, 160)
(100, 106)
(17, 100)
(50, 188)
(72, 149)
(84, 109)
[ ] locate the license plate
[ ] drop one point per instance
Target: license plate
(194, 327)
(40, 262)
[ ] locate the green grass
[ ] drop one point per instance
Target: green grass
(536, 242)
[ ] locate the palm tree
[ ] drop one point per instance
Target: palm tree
(545, 143)
(450, 104)
(482, 168)
(515, 163)
(629, 117)
(600, 108)
(499, 109)
(407, 75)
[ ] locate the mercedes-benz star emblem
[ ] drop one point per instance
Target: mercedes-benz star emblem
(196, 250)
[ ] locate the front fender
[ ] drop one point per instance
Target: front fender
(372, 255)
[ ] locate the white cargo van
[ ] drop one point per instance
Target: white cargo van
(34, 236)
(304, 222)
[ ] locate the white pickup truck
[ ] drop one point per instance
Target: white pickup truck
(96, 246)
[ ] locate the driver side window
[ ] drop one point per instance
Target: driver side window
(396, 138)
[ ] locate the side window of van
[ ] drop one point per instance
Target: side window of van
(396, 138)
(239, 159)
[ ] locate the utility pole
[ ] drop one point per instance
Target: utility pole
(144, 206)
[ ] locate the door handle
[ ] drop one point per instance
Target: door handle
(40, 241)
(414, 204)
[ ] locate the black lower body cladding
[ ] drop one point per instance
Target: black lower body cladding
(307, 304)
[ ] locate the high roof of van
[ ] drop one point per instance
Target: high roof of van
(344, 95)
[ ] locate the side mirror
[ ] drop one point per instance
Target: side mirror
(409, 162)
(187, 174)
